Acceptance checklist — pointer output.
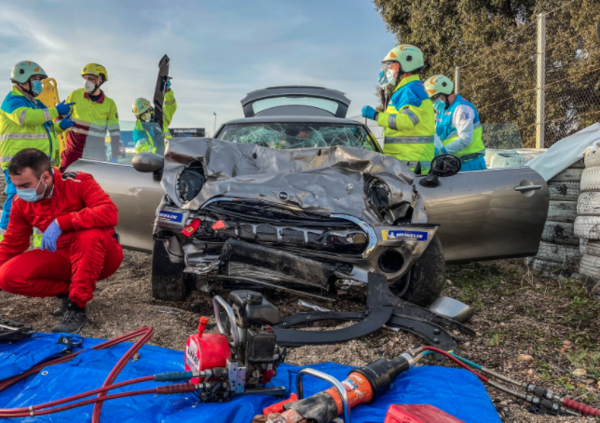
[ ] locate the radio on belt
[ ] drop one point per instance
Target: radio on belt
(243, 357)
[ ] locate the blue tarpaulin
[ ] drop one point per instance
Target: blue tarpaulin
(455, 391)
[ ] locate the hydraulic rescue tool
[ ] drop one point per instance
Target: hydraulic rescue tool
(243, 357)
(13, 331)
(363, 385)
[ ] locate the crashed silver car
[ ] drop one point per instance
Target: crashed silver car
(296, 197)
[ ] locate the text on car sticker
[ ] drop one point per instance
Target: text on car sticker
(170, 216)
(404, 234)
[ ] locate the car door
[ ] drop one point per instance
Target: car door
(489, 214)
(136, 195)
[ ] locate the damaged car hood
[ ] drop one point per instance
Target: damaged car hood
(336, 180)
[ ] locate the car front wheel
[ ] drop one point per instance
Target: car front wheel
(169, 283)
(424, 282)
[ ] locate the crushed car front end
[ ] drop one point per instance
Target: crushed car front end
(320, 217)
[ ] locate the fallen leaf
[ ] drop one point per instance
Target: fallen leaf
(524, 357)
(589, 381)
(567, 345)
(579, 372)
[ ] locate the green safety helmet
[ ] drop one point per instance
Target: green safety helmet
(25, 70)
(439, 84)
(140, 106)
(409, 57)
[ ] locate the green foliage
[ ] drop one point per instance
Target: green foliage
(494, 42)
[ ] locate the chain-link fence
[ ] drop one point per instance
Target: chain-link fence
(541, 83)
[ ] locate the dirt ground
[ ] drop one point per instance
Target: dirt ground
(553, 324)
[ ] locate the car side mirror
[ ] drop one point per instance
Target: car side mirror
(441, 167)
(147, 162)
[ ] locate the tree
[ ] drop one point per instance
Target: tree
(494, 42)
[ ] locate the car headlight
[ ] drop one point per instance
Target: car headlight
(190, 182)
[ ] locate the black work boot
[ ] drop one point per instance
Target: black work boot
(64, 301)
(74, 319)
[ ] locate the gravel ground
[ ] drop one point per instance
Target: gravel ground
(529, 327)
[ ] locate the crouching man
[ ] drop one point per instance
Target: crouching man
(79, 246)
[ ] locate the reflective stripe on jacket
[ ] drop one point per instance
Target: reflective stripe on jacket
(26, 123)
(93, 118)
(409, 124)
(169, 109)
(448, 132)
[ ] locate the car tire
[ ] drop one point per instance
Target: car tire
(562, 211)
(590, 267)
(557, 252)
(583, 243)
(568, 175)
(592, 158)
(590, 179)
(169, 283)
(564, 191)
(587, 227)
(588, 204)
(427, 276)
(559, 233)
(541, 265)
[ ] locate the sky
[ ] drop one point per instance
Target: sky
(219, 50)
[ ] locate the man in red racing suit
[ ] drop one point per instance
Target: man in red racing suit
(79, 246)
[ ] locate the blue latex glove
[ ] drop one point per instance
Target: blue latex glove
(168, 85)
(50, 237)
(369, 112)
(66, 123)
(64, 109)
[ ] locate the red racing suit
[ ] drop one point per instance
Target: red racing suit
(87, 250)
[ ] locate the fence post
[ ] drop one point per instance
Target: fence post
(457, 80)
(541, 81)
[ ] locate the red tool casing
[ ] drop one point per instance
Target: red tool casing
(418, 413)
(206, 351)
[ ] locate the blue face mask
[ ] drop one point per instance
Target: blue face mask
(30, 194)
(36, 87)
(439, 105)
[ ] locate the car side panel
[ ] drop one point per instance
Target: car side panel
(135, 194)
(482, 217)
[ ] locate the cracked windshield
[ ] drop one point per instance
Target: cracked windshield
(282, 136)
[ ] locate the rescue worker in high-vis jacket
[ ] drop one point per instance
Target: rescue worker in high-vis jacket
(147, 133)
(409, 119)
(458, 126)
(79, 245)
(25, 122)
(95, 115)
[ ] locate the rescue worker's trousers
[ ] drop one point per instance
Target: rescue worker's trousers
(10, 191)
(93, 255)
(92, 148)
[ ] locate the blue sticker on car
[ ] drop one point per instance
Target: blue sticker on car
(169, 216)
(404, 234)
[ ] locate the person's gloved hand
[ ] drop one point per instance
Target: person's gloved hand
(64, 109)
(168, 85)
(369, 112)
(50, 237)
(440, 151)
(66, 123)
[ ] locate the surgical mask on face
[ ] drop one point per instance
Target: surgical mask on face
(89, 87)
(146, 117)
(439, 105)
(36, 87)
(387, 78)
(30, 194)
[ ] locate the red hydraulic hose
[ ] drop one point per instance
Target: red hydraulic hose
(118, 367)
(456, 360)
(168, 390)
(147, 333)
(585, 410)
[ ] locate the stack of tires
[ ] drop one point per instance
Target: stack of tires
(559, 252)
(587, 224)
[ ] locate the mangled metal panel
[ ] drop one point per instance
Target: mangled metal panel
(360, 183)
